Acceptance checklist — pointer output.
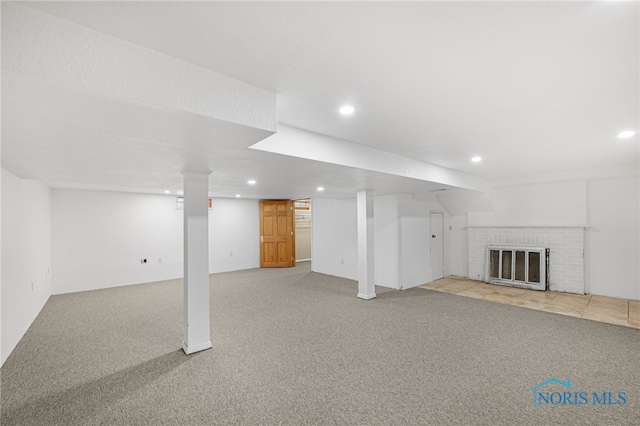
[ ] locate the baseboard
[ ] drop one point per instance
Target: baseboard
(195, 348)
(366, 296)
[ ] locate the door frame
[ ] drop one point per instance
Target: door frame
(441, 213)
(291, 240)
(310, 209)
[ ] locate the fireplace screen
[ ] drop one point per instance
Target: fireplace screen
(519, 266)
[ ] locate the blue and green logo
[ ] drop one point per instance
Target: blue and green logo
(571, 396)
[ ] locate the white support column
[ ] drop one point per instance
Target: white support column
(366, 279)
(196, 262)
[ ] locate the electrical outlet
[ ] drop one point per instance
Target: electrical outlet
(342, 261)
(230, 254)
(159, 260)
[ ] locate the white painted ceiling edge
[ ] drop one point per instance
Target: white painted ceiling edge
(313, 146)
(82, 58)
(610, 172)
(94, 100)
(69, 55)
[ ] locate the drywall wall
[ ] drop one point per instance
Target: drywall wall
(1, 346)
(386, 241)
(610, 208)
(401, 233)
(548, 204)
(334, 238)
(26, 258)
(614, 237)
(100, 237)
(459, 261)
(234, 235)
(415, 246)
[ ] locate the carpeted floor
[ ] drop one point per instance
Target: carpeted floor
(297, 347)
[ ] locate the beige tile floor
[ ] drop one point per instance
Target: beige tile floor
(592, 307)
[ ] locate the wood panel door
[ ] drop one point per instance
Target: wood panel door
(277, 243)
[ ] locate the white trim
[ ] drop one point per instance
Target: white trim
(197, 348)
(543, 283)
(366, 296)
(527, 226)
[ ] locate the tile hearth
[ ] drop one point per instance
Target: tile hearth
(596, 308)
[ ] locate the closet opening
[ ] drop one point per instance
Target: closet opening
(302, 209)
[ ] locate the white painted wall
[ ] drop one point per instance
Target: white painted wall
(614, 237)
(99, 238)
(334, 237)
(234, 228)
(26, 258)
(415, 228)
(459, 241)
(552, 204)
(415, 268)
(387, 241)
(1, 358)
(402, 239)
(609, 206)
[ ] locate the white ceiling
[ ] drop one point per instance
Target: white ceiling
(532, 87)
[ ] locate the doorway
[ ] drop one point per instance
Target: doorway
(437, 245)
(302, 209)
(277, 242)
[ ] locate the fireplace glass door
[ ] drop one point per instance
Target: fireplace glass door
(518, 266)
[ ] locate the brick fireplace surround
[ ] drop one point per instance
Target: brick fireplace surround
(566, 244)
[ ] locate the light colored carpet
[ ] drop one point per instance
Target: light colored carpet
(297, 347)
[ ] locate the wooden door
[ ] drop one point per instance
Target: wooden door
(277, 243)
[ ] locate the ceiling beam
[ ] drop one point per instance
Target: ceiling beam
(300, 143)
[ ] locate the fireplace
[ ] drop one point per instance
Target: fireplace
(518, 266)
(565, 266)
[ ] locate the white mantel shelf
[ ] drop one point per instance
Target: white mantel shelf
(527, 226)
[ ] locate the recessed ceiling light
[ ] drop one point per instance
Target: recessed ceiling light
(347, 110)
(321, 188)
(626, 134)
(251, 182)
(476, 159)
(167, 192)
(237, 195)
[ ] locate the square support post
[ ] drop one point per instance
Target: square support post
(196, 325)
(366, 278)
